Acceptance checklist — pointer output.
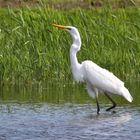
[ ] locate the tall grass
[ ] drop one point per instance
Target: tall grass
(32, 50)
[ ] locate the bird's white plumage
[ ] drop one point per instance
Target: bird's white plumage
(101, 78)
(96, 78)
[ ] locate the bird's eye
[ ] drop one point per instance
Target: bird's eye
(69, 28)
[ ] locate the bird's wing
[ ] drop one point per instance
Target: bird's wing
(101, 78)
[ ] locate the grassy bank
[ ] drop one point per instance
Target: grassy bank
(31, 50)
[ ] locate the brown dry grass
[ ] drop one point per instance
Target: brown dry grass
(69, 4)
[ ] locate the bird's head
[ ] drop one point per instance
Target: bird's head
(73, 31)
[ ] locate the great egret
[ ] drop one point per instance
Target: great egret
(97, 79)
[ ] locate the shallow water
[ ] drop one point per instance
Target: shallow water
(65, 113)
(42, 121)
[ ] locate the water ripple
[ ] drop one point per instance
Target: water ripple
(68, 122)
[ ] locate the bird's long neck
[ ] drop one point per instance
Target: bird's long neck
(73, 59)
(75, 65)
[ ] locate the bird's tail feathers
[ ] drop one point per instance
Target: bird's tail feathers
(126, 94)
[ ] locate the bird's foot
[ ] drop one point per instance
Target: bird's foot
(98, 111)
(113, 112)
(114, 105)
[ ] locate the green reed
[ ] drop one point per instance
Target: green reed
(32, 50)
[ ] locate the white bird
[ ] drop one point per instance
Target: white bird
(97, 79)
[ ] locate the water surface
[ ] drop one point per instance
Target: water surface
(65, 112)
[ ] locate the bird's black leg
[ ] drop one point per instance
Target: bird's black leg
(98, 107)
(114, 104)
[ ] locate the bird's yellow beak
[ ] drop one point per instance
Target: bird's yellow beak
(59, 26)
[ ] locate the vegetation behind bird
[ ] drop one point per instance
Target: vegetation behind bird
(30, 53)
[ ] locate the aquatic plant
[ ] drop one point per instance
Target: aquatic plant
(32, 51)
